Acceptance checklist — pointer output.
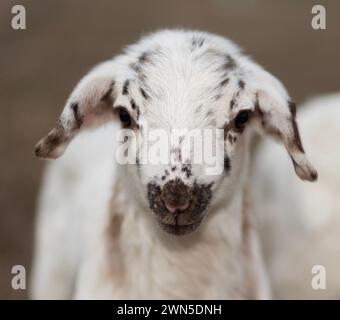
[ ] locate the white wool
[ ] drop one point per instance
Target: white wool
(300, 222)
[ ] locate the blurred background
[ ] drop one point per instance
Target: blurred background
(40, 65)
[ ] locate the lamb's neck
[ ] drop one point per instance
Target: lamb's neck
(186, 266)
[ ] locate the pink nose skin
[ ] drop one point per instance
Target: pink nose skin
(173, 209)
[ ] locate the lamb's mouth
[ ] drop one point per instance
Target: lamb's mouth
(180, 229)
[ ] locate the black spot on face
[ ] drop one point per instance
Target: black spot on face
(125, 90)
(177, 153)
(224, 82)
(230, 63)
(241, 84)
(135, 107)
(209, 113)
(144, 57)
(227, 165)
(218, 97)
(135, 67)
(144, 94)
(232, 104)
(187, 169)
(197, 42)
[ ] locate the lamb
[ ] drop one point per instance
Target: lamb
(299, 224)
(143, 231)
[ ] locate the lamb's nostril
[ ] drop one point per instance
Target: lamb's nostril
(176, 196)
(173, 208)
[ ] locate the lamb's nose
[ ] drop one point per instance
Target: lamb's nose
(176, 196)
(178, 208)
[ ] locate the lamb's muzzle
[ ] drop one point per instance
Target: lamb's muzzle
(179, 208)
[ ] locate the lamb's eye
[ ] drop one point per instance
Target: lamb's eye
(242, 119)
(124, 117)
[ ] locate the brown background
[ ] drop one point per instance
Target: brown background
(39, 66)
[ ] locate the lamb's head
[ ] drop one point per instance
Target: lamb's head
(187, 102)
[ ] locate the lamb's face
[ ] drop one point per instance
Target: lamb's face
(184, 129)
(186, 101)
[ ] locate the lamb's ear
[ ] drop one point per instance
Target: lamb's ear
(89, 105)
(276, 116)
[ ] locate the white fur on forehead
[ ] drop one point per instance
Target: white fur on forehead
(183, 73)
(180, 40)
(187, 71)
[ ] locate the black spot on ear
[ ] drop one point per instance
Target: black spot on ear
(292, 108)
(297, 139)
(79, 118)
(227, 165)
(37, 150)
(125, 90)
(314, 176)
(55, 137)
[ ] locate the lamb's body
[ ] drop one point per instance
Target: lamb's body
(87, 248)
(300, 223)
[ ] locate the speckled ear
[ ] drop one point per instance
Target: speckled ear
(277, 118)
(89, 105)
